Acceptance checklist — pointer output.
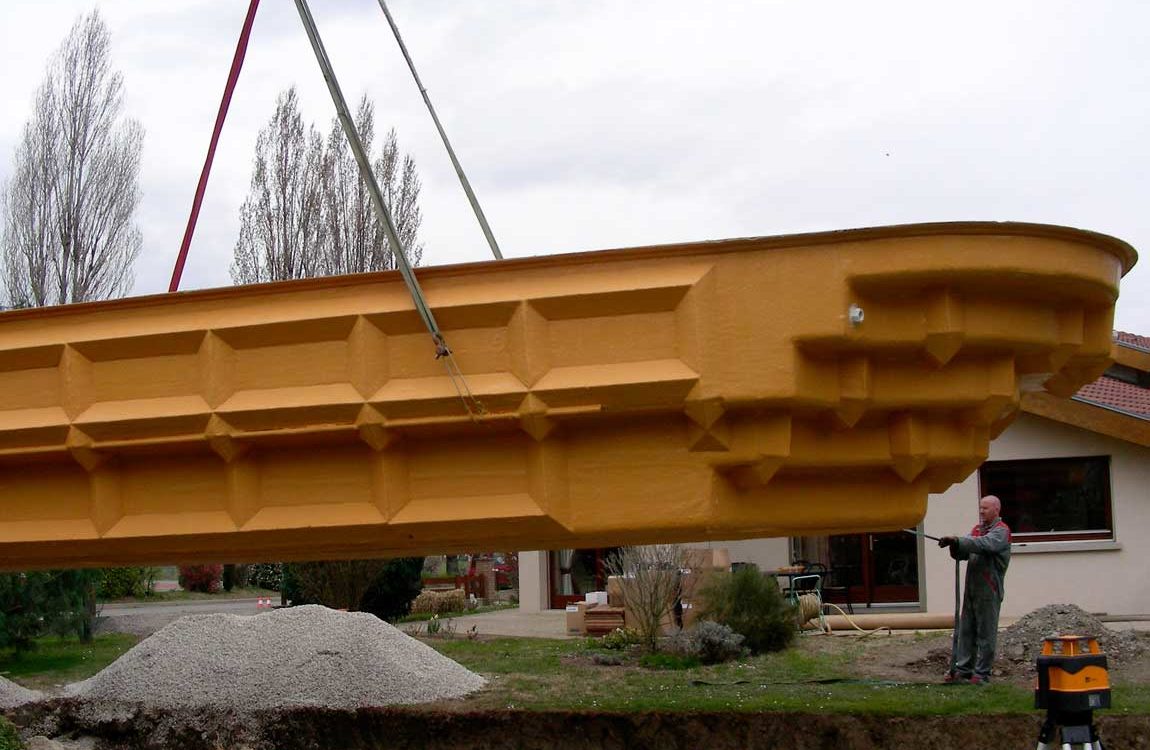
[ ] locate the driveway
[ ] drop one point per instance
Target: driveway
(144, 618)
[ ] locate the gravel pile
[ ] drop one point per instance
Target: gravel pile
(1022, 641)
(12, 695)
(302, 656)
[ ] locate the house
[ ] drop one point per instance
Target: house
(1074, 477)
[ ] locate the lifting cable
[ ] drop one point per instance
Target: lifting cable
(443, 134)
(474, 407)
(442, 351)
(233, 76)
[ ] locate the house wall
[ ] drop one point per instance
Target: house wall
(768, 554)
(533, 595)
(1097, 576)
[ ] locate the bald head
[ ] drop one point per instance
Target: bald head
(989, 508)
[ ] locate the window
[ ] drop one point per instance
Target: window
(1129, 375)
(574, 572)
(1052, 499)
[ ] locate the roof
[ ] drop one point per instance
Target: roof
(1111, 393)
(1108, 406)
(1132, 340)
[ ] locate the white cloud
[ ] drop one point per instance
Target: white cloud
(601, 124)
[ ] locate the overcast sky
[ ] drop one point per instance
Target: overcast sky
(593, 124)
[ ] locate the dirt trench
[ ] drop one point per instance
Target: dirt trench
(398, 729)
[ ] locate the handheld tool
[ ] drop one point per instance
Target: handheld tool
(957, 602)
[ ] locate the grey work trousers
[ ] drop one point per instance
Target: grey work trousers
(977, 636)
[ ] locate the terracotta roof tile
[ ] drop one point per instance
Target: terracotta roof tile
(1132, 339)
(1115, 394)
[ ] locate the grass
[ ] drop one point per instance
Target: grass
(424, 616)
(537, 674)
(57, 661)
(184, 596)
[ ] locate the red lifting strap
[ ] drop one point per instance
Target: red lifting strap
(233, 76)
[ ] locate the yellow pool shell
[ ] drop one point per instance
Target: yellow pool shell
(732, 389)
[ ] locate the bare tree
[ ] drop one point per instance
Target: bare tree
(308, 213)
(69, 234)
(651, 584)
(400, 184)
(281, 224)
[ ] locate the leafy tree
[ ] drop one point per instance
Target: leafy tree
(266, 575)
(390, 595)
(118, 583)
(308, 213)
(384, 588)
(36, 603)
(339, 584)
(69, 234)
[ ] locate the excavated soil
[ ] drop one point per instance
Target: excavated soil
(925, 658)
(416, 729)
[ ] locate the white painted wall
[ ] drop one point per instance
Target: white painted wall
(1099, 577)
(533, 581)
(768, 554)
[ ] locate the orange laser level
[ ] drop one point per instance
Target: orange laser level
(1072, 682)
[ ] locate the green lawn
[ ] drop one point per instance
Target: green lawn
(183, 596)
(536, 674)
(540, 674)
(59, 661)
(424, 616)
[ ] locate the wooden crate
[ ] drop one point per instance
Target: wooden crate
(602, 619)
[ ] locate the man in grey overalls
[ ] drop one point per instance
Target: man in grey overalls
(987, 550)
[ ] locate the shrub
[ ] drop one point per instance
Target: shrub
(119, 583)
(266, 575)
(205, 578)
(290, 589)
(393, 589)
(709, 642)
(339, 584)
(384, 588)
(9, 739)
(235, 576)
(439, 602)
(228, 579)
(619, 639)
(751, 605)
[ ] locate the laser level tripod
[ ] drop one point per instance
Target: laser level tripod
(1072, 682)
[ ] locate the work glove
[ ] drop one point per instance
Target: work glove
(947, 541)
